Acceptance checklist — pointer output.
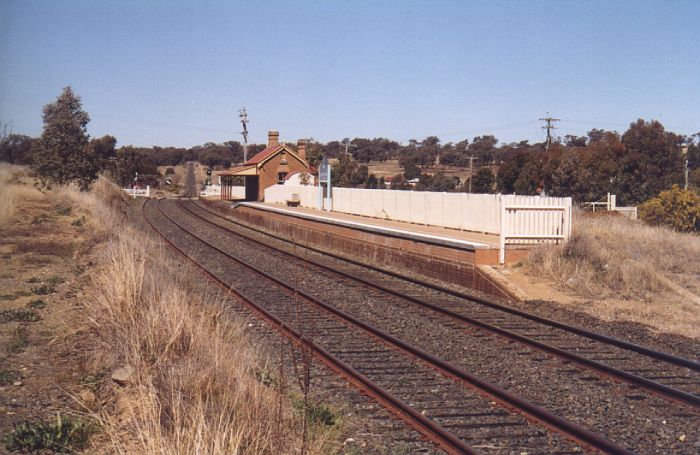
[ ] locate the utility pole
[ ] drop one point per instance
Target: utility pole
(471, 171)
(684, 153)
(243, 115)
(549, 126)
(347, 144)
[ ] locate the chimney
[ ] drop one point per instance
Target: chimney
(301, 149)
(273, 138)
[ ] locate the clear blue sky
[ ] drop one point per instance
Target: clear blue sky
(174, 72)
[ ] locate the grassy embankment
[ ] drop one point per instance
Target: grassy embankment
(628, 270)
(191, 384)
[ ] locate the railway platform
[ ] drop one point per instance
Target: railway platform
(450, 255)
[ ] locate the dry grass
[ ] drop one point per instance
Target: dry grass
(194, 388)
(13, 191)
(639, 267)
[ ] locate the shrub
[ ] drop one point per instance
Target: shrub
(63, 435)
(676, 208)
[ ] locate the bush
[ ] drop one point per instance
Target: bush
(676, 208)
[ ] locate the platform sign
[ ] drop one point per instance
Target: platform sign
(324, 180)
(323, 170)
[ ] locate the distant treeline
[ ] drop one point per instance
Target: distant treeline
(635, 165)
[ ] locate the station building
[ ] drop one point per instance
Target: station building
(270, 167)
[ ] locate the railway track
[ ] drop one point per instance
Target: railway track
(435, 384)
(190, 182)
(669, 376)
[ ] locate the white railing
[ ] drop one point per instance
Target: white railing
(515, 219)
(609, 204)
(138, 192)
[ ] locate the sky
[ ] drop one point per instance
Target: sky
(175, 73)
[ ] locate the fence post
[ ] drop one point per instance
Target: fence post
(502, 234)
(148, 190)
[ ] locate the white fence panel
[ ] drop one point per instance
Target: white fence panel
(280, 194)
(138, 192)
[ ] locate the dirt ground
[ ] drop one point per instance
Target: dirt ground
(669, 314)
(43, 341)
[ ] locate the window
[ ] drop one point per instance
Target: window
(280, 177)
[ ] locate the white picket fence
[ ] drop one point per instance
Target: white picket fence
(138, 192)
(237, 192)
(515, 219)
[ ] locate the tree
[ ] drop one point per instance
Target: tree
(651, 162)
(63, 154)
(16, 149)
(483, 180)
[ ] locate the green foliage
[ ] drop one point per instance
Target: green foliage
(79, 221)
(62, 154)
(64, 210)
(264, 376)
(41, 218)
(318, 414)
(348, 173)
(8, 377)
(19, 315)
(44, 289)
(63, 436)
(16, 149)
(650, 163)
(34, 280)
(676, 208)
(438, 182)
(19, 340)
(36, 304)
(483, 180)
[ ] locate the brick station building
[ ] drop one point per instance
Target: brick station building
(267, 168)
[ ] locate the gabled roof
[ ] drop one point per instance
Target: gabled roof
(266, 153)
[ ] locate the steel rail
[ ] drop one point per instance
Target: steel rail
(654, 387)
(513, 402)
(425, 426)
(658, 355)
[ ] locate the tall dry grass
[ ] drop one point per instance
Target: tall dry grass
(615, 256)
(193, 389)
(14, 190)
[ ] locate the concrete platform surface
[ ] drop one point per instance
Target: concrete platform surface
(431, 234)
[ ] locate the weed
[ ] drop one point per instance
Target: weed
(34, 280)
(264, 376)
(5, 275)
(44, 289)
(8, 297)
(19, 340)
(79, 221)
(8, 377)
(319, 414)
(40, 219)
(55, 280)
(400, 449)
(21, 315)
(64, 210)
(63, 435)
(23, 293)
(37, 304)
(93, 379)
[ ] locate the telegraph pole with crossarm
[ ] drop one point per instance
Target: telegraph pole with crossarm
(549, 126)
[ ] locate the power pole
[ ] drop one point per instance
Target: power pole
(243, 115)
(471, 171)
(549, 126)
(347, 144)
(684, 153)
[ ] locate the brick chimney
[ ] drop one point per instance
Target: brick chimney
(301, 149)
(273, 138)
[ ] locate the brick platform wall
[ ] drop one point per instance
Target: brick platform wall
(450, 265)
